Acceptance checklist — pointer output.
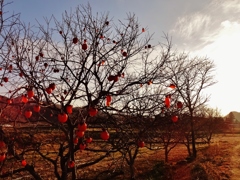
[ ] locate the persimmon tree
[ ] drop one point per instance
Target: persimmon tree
(135, 122)
(131, 115)
(192, 75)
(59, 75)
(168, 131)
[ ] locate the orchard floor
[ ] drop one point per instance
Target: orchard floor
(218, 161)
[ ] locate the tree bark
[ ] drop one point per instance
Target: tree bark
(71, 149)
(166, 154)
(194, 151)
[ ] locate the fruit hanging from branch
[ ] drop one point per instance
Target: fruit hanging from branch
(75, 140)
(28, 113)
(105, 135)
(9, 101)
(174, 118)
(115, 78)
(5, 79)
(41, 54)
(52, 86)
(62, 117)
(24, 99)
(2, 157)
(80, 134)
(2, 144)
(82, 146)
(82, 127)
(37, 58)
(75, 40)
(36, 108)
(30, 93)
(49, 90)
(108, 100)
(92, 111)
(172, 86)
(69, 109)
(89, 140)
(71, 164)
(24, 162)
(150, 82)
(179, 104)
(110, 78)
(124, 53)
(84, 46)
(101, 63)
(167, 101)
(141, 144)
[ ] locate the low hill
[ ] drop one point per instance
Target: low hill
(233, 116)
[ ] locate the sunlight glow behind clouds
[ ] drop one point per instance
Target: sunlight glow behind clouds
(217, 36)
(224, 50)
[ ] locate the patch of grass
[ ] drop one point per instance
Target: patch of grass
(160, 171)
(198, 173)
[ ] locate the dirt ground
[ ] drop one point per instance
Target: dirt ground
(218, 161)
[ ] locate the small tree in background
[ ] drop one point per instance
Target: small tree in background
(209, 123)
(191, 76)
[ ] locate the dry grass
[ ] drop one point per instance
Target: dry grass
(216, 161)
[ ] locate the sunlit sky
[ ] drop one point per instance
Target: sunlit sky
(202, 27)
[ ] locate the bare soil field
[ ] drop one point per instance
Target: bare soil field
(219, 160)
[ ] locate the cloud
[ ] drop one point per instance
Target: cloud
(194, 30)
(214, 31)
(189, 26)
(232, 6)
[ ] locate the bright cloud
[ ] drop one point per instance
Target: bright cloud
(214, 31)
(189, 26)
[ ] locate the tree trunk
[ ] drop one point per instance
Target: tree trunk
(189, 149)
(209, 138)
(187, 144)
(62, 163)
(194, 151)
(166, 154)
(131, 162)
(33, 172)
(71, 145)
(132, 172)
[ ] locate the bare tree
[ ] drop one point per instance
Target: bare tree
(209, 123)
(191, 76)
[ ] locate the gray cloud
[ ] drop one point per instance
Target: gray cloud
(194, 30)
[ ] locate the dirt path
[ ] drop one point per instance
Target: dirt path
(235, 163)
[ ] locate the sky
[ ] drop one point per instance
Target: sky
(208, 28)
